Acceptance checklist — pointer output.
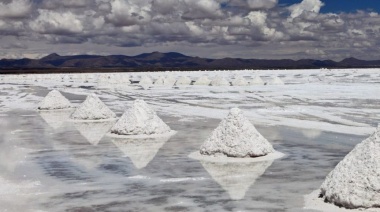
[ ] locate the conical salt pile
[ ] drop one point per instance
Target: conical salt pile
(53, 101)
(236, 178)
(160, 81)
(140, 119)
(236, 137)
(219, 81)
(239, 81)
(169, 81)
(92, 109)
(276, 81)
(355, 181)
(257, 81)
(203, 80)
(183, 81)
(140, 151)
(145, 80)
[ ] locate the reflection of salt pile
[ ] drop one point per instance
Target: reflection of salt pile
(239, 81)
(236, 178)
(93, 131)
(355, 181)
(140, 151)
(203, 80)
(257, 81)
(92, 109)
(140, 120)
(183, 81)
(219, 81)
(276, 81)
(55, 119)
(236, 137)
(53, 101)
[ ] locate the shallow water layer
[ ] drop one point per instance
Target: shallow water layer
(63, 169)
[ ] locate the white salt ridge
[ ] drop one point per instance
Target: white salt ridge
(93, 109)
(220, 81)
(183, 81)
(203, 80)
(355, 181)
(140, 119)
(54, 101)
(236, 137)
(276, 81)
(239, 81)
(256, 81)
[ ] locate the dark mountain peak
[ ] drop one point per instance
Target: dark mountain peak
(51, 56)
(350, 59)
(159, 55)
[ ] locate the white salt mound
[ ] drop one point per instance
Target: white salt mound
(169, 81)
(145, 80)
(257, 81)
(239, 81)
(276, 81)
(183, 81)
(53, 101)
(355, 181)
(140, 119)
(219, 81)
(92, 109)
(203, 80)
(160, 81)
(236, 137)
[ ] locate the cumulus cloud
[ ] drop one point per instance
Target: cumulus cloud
(313, 6)
(262, 4)
(15, 9)
(128, 13)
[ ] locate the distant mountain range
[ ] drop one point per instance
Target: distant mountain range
(166, 61)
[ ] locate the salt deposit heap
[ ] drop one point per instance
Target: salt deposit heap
(140, 120)
(257, 81)
(276, 81)
(220, 81)
(54, 101)
(355, 181)
(236, 137)
(239, 81)
(203, 80)
(92, 109)
(183, 81)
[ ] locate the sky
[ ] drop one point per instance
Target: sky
(261, 29)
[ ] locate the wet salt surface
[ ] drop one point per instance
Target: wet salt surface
(70, 173)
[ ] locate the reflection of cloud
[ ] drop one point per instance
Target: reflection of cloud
(140, 151)
(311, 133)
(55, 119)
(236, 178)
(87, 159)
(93, 131)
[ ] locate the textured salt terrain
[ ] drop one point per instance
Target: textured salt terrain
(315, 124)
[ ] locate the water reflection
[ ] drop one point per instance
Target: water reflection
(236, 178)
(93, 132)
(55, 119)
(141, 150)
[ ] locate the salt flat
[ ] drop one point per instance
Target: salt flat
(316, 118)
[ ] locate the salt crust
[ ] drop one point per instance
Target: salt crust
(54, 100)
(355, 181)
(92, 109)
(236, 137)
(140, 120)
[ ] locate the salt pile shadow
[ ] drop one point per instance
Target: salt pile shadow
(140, 150)
(56, 118)
(236, 178)
(93, 132)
